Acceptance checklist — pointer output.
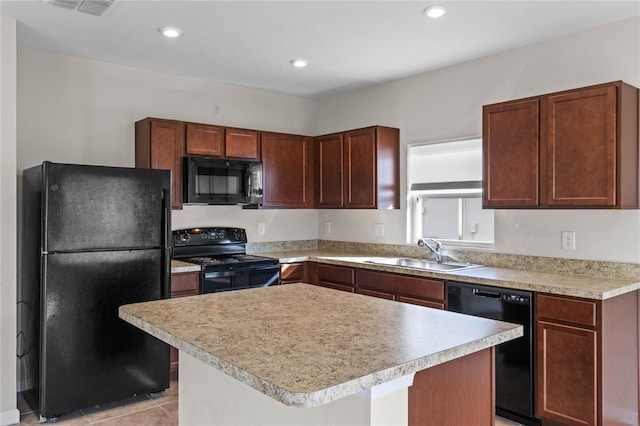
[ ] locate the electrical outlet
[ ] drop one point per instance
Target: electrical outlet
(261, 229)
(568, 240)
(378, 229)
(327, 227)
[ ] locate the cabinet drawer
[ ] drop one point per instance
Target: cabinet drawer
(185, 284)
(401, 284)
(380, 294)
(336, 274)
(334, 286)
(421, 302)
(575, 311)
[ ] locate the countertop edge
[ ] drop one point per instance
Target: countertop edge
(469, 275)
(323, 396)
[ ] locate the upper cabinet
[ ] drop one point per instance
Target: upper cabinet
(160, 145)
(353, 169)
(359, 169)
(330, 171)
(572, 149)
(287, 178)
(216, 141)
(241, 143)
(204, 139)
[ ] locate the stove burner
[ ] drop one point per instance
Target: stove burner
(225, 260)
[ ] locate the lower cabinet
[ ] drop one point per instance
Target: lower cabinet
(427, 292)
(587, 360)
(333, 276)
(182, 284)
(402, 288)
(293, 273)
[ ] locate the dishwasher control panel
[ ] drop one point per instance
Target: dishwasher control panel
(514, 298)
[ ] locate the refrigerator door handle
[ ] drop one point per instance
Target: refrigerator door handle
(167, 243)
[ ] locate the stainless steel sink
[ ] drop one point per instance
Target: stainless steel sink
(425, 265)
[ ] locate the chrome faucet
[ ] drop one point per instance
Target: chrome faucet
(434, 246)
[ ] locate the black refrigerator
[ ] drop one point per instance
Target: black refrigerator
(94, 238)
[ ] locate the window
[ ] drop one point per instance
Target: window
(445, 193)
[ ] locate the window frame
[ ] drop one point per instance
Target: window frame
(413, 190)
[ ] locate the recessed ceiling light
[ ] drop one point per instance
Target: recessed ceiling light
(299, 63)
(171, 32)
(435, 11)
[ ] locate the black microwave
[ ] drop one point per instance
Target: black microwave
(219, 181)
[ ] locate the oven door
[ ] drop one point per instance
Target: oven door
(218, 281)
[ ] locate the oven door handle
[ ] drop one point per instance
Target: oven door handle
(252, 268)
(217, 274)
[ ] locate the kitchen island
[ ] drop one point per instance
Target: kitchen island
(302, 354)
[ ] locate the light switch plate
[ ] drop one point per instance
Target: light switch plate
(378, 229)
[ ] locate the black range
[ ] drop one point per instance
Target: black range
(221, 251)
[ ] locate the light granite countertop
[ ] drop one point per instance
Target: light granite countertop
(589, 287)
(306, 345)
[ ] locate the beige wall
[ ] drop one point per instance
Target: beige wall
(446, 104)
(80, 111)
(8, 412)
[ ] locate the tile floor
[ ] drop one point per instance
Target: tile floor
(160, 410)
(140, 410)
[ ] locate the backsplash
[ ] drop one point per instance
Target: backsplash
(499, 260)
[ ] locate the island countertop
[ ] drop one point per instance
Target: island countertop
(305, 345)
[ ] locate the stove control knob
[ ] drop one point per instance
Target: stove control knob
(183, 238)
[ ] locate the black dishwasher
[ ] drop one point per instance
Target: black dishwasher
(514, 359)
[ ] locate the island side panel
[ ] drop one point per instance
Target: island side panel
(619, 354)
(208, 396)
(457, 392)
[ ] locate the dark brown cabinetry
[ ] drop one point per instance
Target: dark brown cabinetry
(159, 144)
(217, 141)
(330, 171)
(359, 169)
(572, 149)
(402, 288)
(587, 360)
(242, 143)
(204, 139)
(287, 162)
(332, 276)
(182, 284)
(293, 273)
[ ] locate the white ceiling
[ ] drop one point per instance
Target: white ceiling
(350, 44)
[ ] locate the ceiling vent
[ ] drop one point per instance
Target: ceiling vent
(92, 7)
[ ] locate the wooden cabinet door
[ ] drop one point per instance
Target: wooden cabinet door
(330, 161)
(416, 290)
(203, 139)
(287, 162)
(335, 277)
(581, 147)
(511, 140)
(160, 145)
(566, 373)
(241, 143)
(360, 179)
